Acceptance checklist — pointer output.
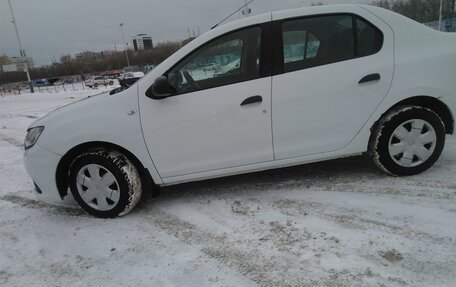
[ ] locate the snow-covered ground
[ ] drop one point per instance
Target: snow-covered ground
(337, 223)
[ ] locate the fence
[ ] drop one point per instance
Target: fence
(56, 88)
(448, 25)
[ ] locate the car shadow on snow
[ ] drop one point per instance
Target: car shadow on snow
(347, 170)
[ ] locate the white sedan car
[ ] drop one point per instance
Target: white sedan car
(312, 84)
(94, 82)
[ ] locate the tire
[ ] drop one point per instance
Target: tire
(95, 85)
(111, 83)
(106, 184)
(408, 140)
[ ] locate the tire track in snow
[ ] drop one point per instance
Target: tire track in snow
(351, 219)
(10, 116)
(34, 204)
(262, 270)
(11, 141)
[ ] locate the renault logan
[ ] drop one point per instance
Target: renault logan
(269, 91)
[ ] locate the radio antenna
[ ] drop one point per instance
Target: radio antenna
(229, 16)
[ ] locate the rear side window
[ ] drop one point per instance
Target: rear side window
(315, 41)
(370, 39)
(299, 46)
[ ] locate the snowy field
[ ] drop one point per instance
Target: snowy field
(337, 223)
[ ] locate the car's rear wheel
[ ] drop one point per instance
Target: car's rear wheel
(408, 140)
(95, 85)
(111, 83)
(105, 184)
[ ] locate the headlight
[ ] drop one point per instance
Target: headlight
(32, 136)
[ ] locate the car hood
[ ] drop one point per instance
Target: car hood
(78, 104)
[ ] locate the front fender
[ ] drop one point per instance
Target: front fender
(113, 119)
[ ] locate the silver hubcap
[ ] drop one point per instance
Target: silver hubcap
(412, 143)
(98, 187)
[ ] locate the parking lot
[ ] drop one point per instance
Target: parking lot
(336, 223)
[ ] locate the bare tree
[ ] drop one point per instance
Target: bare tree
(383, 3)
(420, 10)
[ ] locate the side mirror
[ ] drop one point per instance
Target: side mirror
(161, 89)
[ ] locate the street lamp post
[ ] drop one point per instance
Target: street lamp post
(440, 15)
(125, 43)
(22, 51)
(453, 16)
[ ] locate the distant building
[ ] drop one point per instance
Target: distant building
(9, 68)
(142, 42)
(64, 59)
(107, 54)
(87, 55)
(16, 64)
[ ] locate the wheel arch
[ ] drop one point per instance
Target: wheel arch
(431, 103)
(64, 165)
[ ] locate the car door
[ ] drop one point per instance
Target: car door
(335, 69)
(220, 114)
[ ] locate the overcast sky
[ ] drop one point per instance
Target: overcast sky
(51, 28)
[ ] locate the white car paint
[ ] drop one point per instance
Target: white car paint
(206, 134)
(330, 89)
(195, 127)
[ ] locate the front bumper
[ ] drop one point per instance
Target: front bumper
(41, 165)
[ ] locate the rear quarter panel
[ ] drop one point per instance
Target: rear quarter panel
(425, 59)
(425, 65)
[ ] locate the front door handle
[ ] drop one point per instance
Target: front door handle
(252, 100)
(370, 78)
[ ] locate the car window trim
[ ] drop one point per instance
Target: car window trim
(279, 62)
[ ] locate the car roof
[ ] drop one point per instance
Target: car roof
(286, 13)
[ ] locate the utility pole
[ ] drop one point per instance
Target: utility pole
(125, 43)
(22, 51)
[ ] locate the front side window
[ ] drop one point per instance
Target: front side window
(230, 59)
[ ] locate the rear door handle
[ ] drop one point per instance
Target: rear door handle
(370, 78)
(252, 100)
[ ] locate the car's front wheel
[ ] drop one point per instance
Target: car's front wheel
(105, 184)
(408, 140)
